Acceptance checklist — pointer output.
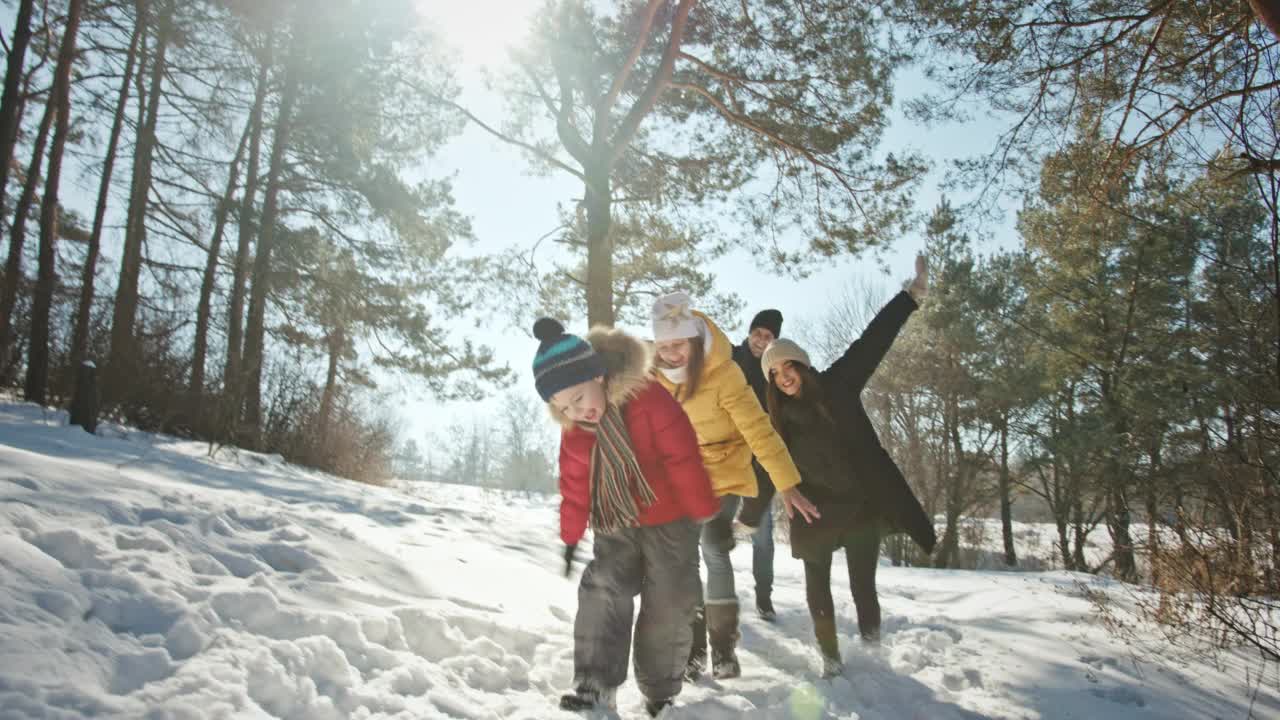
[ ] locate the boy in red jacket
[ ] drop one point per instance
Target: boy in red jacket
(630, 468)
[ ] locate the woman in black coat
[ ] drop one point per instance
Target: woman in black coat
(858, 489)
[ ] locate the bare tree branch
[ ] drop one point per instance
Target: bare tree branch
(499, 134)
(659, 82)
(605, 107)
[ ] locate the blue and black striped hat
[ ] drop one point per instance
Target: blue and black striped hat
(563, 360)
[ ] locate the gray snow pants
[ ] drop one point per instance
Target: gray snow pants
(660, 564)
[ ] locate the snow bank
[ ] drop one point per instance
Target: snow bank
(141, 578)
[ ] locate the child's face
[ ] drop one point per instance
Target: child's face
(675, 353)
(582, 403)
(786, 378)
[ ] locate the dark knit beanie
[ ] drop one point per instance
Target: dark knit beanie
(770, 320)
(563, 360)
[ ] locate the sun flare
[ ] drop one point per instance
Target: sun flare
(481, 32)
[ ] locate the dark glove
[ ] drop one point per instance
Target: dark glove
(569, 551)
(753, 510)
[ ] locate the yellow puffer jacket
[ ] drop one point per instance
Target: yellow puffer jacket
(730, 424)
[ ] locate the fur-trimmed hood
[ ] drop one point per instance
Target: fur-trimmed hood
(627, 362)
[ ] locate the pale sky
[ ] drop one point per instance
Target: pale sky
(508, 207)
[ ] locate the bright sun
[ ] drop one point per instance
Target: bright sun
(480, 31)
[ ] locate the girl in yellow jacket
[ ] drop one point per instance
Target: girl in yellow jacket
(695, 364)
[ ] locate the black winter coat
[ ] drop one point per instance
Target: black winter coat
(753, 508)
(845, 470)
(751, 367)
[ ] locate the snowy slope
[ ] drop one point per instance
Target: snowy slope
(140, 578)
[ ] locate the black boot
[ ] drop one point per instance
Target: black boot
(698, 651)
(764, 606)
(654, 707)
(722, 626)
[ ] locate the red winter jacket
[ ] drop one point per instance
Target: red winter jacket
(661, 435)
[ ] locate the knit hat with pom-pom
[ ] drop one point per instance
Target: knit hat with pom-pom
(563, 360)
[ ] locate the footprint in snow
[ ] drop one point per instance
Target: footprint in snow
(1120, 696)
(962, 679)
(1098, 662)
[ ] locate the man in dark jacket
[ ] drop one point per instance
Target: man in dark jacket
(757, 512)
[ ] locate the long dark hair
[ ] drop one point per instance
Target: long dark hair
(810, 394)
(693, 368)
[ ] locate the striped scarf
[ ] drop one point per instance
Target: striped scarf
(616, 479)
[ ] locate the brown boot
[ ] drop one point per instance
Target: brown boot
(722, 626)
(824, 629)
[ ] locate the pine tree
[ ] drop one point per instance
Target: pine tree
(60, 96)
(774, 106)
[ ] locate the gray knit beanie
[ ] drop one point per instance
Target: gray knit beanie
(781, 350)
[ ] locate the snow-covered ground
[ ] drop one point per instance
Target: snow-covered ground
(141, 578)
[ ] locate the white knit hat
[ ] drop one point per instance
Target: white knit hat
(781, 350)
(673, 320)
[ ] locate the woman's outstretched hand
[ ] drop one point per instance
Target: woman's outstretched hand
(795, 502)
(919, 287)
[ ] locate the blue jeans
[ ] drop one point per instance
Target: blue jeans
(762, 554)
(717, 541)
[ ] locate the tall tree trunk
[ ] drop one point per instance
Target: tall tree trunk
(1273, 201)
(1078, 534)
(1246, 565)
(1119, 519)
(337, 342)
(124, 350)
(255, 329)
(1061, 497)
(140, 76)
(1273, 537)
(80, 335)
(1006, 502)
(894, 545)
(1064, 543)
(1153, 514)
(38, 359)
(1222, 494)
(1075, 486)
(950, 550)
(233, 379)
(1119, 515)
(599, 250)
(18, 239)
(1244, 499)
(11, 100)
(917, 467)
(210, 279)
(1055, 490)
(947, 555)
(1268, 12)
(1267, 479)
